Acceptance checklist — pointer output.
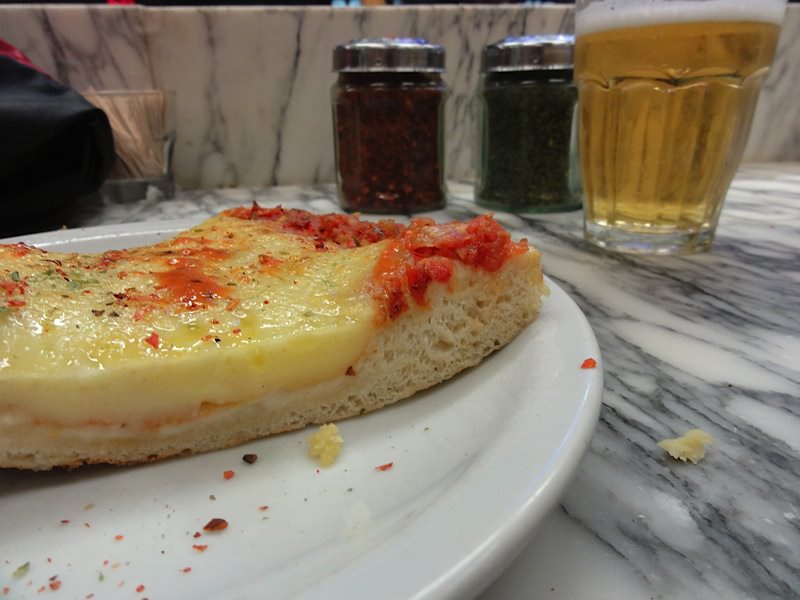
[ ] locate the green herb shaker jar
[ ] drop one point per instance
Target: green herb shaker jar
(388, 115)
(527, 156)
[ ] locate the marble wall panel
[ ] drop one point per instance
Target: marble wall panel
(237, 77)
(254, 94)
(253, 83)
(99, 47)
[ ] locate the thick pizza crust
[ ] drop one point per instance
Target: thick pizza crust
(466, 319)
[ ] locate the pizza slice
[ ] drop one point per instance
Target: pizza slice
(258, 321)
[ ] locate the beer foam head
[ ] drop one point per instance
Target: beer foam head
(617, 14)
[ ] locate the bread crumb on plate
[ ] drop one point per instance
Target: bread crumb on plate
(325, 444)
(690, 446)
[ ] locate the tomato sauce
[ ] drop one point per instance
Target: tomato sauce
(269, 263)
(185, 281)
(421, 253)
(22, 249)
(388, 281)
(347, 231)
(190, 286)
(481, 242)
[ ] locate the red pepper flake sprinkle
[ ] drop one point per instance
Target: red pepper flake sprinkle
(89, 596)
(197, 534)
(229, 474)
(153, 340)
(263, 508)
(186, 570)
(200, 547)
(6, 590)
(119, 537)
(216, 524)
(55, 584)
(250, 458)
(237, 331)
(41, 589)
(350, 372)
(140, 588)
(385, 467)
(64, 521)
(589, 363)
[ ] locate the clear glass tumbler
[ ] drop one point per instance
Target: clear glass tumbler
(667, 91)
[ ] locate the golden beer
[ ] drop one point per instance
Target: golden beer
(665, 110)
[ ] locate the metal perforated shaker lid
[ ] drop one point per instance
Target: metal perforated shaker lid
(388, 54)
(529, 52)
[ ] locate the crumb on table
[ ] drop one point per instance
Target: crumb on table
(690, 446)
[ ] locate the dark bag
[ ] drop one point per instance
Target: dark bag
(54, 145)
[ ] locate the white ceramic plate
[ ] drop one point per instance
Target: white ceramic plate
(477, 463)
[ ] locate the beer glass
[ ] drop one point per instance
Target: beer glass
(667, 91)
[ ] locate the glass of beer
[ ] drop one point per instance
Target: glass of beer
(667, 93)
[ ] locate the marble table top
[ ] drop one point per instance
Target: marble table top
(709, 341)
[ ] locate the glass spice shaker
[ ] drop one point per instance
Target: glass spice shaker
(528, 157)
(388, 115)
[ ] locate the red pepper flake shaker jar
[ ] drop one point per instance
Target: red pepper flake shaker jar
(388, 114)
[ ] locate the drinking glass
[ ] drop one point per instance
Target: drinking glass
(667, 91)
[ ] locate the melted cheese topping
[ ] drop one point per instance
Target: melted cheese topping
(253, 301)
(225, 313)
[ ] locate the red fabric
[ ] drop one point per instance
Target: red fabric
(7, 49)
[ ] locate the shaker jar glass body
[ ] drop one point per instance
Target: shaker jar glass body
(388, 115)
(527, 156)
(389, 141)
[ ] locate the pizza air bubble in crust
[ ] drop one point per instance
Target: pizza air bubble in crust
(258, 321)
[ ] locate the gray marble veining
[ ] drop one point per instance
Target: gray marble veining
(708, 341)
(252, 83)
(101, 48)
